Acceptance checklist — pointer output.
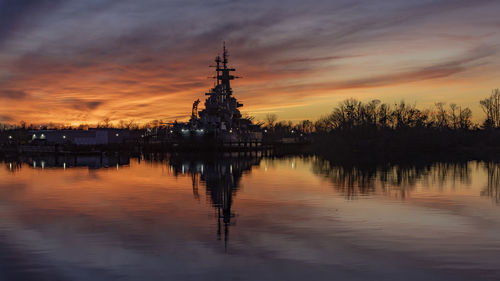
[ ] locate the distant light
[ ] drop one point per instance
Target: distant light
(231, 130)
(42, 136)
(265, 131)
(117, 134)
(64, 137)
(171, 131)
(292, 131)
(142, 136)
(10, 137)
(34, 136)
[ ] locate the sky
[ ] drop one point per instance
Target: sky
(73, 62)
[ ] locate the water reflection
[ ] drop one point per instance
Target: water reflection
(68, 161)
(492, 189)
(398, 179)
(221, 176)
(152, 219)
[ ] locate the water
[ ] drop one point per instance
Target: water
(247, 218)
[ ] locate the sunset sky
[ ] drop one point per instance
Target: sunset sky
(73, 61)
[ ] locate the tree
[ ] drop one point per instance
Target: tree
(306, 126)
(271, 119)
(464, 118)
(491, 107)
(441, 115)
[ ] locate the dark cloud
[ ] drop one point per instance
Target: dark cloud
(435, 71)
(20, 14)
(13, 94)
(84, 105)
(6, 118)
(466, 62)
(314, 59)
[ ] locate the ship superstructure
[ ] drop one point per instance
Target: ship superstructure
(221, 119)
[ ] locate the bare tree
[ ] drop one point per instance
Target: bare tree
(491, 107)
(441, 115)
(271, 119)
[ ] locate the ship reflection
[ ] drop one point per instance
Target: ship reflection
(221, 176)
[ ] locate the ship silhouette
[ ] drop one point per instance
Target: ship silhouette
(220, 123)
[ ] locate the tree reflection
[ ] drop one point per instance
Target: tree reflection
(492, 188)
(353, 180)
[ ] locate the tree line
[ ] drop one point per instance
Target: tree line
(352, 114)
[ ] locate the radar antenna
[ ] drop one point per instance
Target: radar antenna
(194, 111)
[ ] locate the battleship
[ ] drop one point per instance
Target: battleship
(220, 123)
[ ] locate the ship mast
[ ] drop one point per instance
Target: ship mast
(224, 73)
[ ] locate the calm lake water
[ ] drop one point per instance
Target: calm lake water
(247, 218)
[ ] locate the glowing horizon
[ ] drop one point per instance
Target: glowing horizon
(70, 62)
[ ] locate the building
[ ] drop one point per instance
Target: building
(80, 137)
